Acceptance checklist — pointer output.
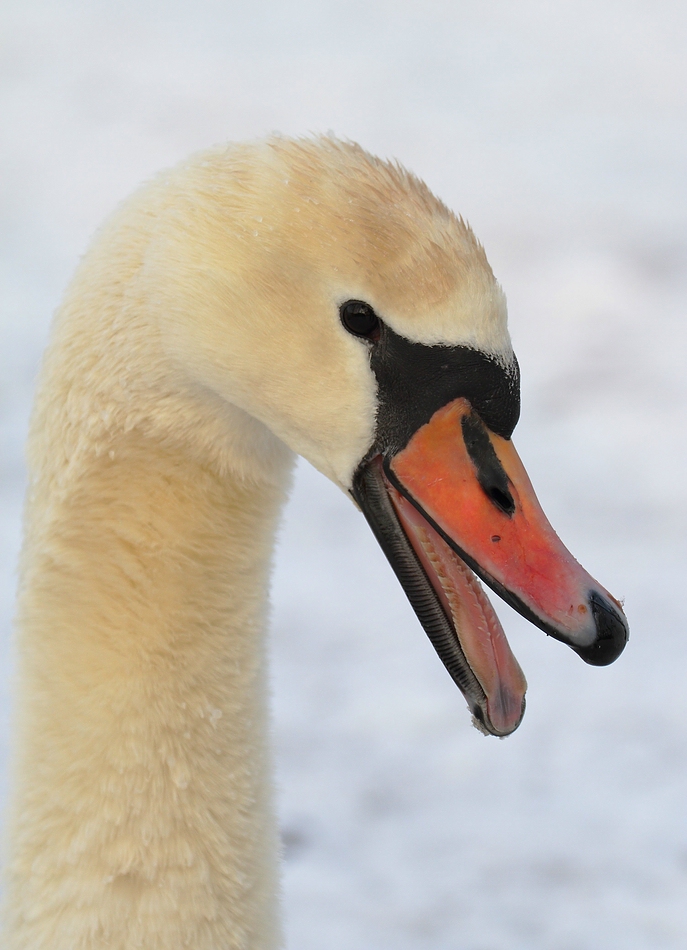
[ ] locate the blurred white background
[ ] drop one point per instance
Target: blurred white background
(558, 130)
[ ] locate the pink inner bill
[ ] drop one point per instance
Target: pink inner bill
(477, 627)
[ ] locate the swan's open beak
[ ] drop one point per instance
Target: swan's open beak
(455, 500)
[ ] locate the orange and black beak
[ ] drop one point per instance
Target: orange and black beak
(454, 500)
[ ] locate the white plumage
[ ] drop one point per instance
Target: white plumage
(198, 347)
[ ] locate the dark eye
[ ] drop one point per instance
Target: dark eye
(360, 319)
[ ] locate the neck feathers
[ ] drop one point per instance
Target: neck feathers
(142, 807)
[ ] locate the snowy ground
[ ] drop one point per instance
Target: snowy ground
(558, 130)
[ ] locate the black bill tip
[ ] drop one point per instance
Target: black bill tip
(611, 633)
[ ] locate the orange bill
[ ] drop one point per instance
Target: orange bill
(457, 500)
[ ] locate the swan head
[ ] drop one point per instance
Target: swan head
(331, 297)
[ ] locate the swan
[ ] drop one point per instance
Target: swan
(256, 302)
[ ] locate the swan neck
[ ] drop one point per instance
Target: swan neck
(143, 812)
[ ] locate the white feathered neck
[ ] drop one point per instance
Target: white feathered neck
(197, 349)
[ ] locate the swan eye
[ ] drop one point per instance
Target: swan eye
(360, 319)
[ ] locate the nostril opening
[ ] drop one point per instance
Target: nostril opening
(502, 499)
(490, 472)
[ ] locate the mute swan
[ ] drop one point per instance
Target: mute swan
(255, 302)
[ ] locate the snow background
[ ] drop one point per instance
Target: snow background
(559, 131)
